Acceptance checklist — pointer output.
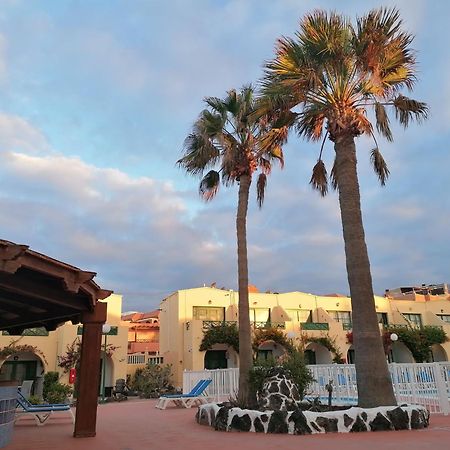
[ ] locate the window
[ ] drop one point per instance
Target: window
(383, 318)
(300, 315)
(344, 317)
(260, 315)
(209, 313)
(414, 319)
(444, 317)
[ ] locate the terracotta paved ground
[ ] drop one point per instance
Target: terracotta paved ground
(137, 425)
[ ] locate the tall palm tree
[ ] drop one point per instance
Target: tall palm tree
(330, 75)
(233, 142)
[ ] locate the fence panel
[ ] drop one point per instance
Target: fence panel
(426, 384)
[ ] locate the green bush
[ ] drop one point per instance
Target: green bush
(151, 380)
(292, 361)
(54, 391)
(225, 333)
(35, 399)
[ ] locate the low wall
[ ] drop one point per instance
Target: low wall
(226, 418)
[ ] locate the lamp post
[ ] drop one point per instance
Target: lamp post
(106, 328)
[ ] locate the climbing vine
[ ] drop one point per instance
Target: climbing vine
(271, 334)
(330, 344)
(73, 353)
(420, 340)
(13, 349)
(225, 333)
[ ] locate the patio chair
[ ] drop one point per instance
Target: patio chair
(196, 396)
(41, 413)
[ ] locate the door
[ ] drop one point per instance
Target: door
(216, 359)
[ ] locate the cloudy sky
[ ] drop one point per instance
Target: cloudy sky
(96, 98)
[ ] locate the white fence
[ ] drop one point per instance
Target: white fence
(426, 384)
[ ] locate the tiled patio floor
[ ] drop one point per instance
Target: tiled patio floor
(137, 425)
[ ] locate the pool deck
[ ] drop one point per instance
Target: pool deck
(138, 425)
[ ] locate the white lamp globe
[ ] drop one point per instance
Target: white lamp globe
(106, 328)
(394, 337)
(290, 334)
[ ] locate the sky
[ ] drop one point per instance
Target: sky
(96, 98)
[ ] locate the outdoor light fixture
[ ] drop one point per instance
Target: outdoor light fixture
(393, 337)
(290, 334)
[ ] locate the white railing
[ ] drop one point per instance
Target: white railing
(137, 358)
(426, 384)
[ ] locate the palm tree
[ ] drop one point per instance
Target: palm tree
(330, 75)
(230, 137)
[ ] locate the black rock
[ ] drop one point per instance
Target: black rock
(241, 423)
(329, 425)
(284, 389)
(347, 420)
(221, 422)
(419, 419)
(359, 425)
(273, 387)
(275, 402)
(202, 417)
(380, 423)
(315, 427)
(259, 427)
(278, 423)
(399, 418)
(300, 423)
(364, 416)
(264, 418)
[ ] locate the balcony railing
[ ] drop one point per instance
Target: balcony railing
(207, 324)
(314, 326)
(145, 341)
(347, 326)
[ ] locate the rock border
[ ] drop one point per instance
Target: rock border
(354, 419)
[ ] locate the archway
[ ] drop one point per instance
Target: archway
(438, 353)
(220, 356)
(400, 353)
(24, 366)
(107, 365)
(317, 354)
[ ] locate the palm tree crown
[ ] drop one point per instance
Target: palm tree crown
(232, 140)
(335, 72)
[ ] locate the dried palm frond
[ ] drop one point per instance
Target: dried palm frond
(261, 188)
(383, 121)
(319, 178)
(209, 185)
(334, 176)
(379, 166)
(407, 109)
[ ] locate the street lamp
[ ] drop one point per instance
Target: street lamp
(393, 337)
(106, 328)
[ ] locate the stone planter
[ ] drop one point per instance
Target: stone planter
(226, 418)
(8, 402)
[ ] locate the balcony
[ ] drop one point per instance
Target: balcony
(207, 324)
(314, 326)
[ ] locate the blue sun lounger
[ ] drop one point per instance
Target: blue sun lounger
(196, 396)
(41, 413)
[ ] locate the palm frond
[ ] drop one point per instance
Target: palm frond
(407, 109)
(199, 154)
(379, 165)
(334, 176)
(383, 121)
(319, 178)
(209, 185)
(261, 188)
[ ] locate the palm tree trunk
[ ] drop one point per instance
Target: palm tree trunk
(372, 374)
(245, 342)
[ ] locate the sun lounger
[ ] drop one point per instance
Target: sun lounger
(195, 397)
(41, 413)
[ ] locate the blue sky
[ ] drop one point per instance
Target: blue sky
(96, 98)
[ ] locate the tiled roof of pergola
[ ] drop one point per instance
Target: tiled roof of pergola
(39, 291)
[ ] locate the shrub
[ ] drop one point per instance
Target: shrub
(151, 380)
(35, 399)
(54, 391)
(292, 361)
(225, 333)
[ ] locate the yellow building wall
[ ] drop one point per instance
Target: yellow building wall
(56, 343)
(181, 335)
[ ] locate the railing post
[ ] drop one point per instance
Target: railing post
(441, 389)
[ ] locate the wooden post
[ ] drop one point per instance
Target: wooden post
(89, 373)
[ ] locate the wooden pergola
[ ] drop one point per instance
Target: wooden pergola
(39, 291)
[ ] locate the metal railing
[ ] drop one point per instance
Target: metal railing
(207, 324)
(311, 326)
(426, 384)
